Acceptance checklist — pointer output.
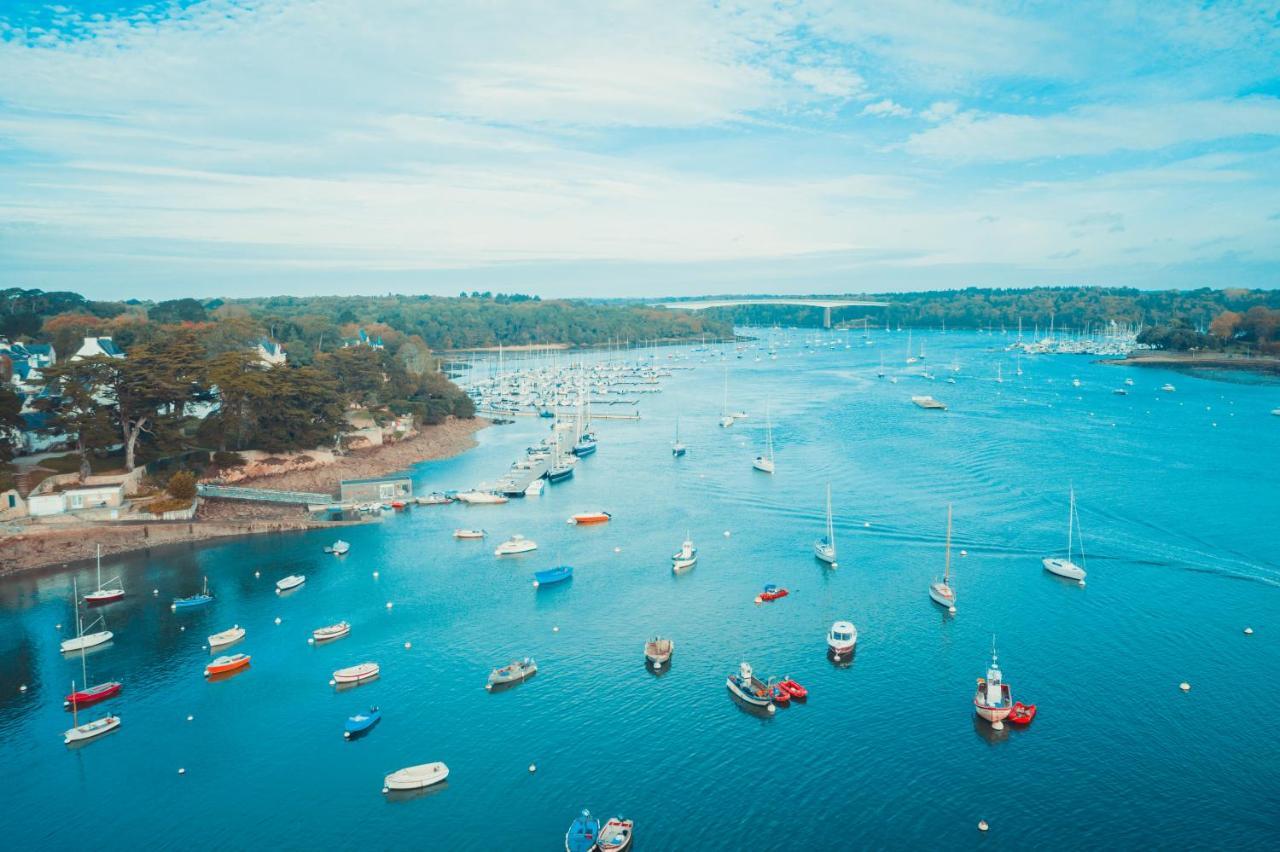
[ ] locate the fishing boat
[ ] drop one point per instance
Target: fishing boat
(222, 665)
(678, 449)
(658, 651)
(357, 673)
(1064, 567)
(1021, 714)
(585, 518)
(764, 463)
(771, 593)
(361, 723)
(941, 592)
(842, 639)
(552, 576)
(194, 600)
(333, 631)
(744, 684)
(794, 689)
(993, 699)
(104, 594)
(516, 670)
(79, 733)
(226, 637)
(84, 639)
(416, 777)
(685, 557)
(583, 833)
(515, 544)
(615, 835)
(824, 548)
(468, 533)
(338, 548)
(293, 581)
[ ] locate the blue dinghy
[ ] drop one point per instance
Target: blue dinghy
(195, 600)
(552, 576)
(582, 834)
(362, 722)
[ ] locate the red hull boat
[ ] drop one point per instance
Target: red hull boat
(1022, 714)
(779, 695)
(794, 689)
(771, 593)
(104, 596)
(102, 691)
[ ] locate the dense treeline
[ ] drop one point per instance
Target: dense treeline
(1067, 307)
(1255, 330)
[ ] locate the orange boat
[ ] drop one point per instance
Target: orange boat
(771, 593)
(590, 518)
(222, 665)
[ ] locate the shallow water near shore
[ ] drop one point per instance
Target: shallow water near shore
(1179, 518)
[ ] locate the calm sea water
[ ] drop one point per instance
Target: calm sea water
(1179, 497)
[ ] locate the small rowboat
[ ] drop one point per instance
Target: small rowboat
(583, 833)
(515, 544)
(616, 835)
(86, 640)
(226, 637)
(1022, 714)
(779, 695)
(794, 689)
(102, 691)
(771, 593)
(512, 672)
(222, 665)
(356, 674)
(584, 518)
(398, 505)
(89, 730)
(468, 533)
(416, 777)
(552, 576)
(333, 631)
(293, 581)
(361, 722)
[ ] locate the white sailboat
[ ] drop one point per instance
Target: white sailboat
(911, 359)
(677, 448)
(726, 419)
(1065, 567)
(83, 639)
(941, 592)
(89, 730)
(999, 375)
(764, 463)
(880, 371)
(825, 547)
(104, 595)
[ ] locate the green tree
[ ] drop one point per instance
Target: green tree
(78, 410)
(182, 485)
(10, 423)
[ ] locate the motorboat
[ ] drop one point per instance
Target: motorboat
(993, 699)
(516, 670)
(194, 600)
(436, 498)
(559, 473)
(941, 591)
(333, 631)
(338, 548)
(585, 518)
(468, 533)
(824, 549)
(356, 673)
(361, 723)
(104, 594)
(92, 694)
(744, 684)
(615, 835)
(658, 651)
(794, 689)
(686, 557)
(583, 833)
(416, 777)
(771, 593)
(227, 637)
(842, 639)
(515, 544)
(222, 665)
(551, 576)
(293, 581)
(83, 638)
(481, 498)
(1021, 714)
(1064, 566)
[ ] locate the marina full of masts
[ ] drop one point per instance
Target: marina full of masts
(1114, 340)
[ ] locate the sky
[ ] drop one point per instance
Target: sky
(598, 148)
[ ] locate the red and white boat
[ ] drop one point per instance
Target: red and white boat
(585, 518)
(993, 699)
(615, 835)
(92, 694)
(222, 665)
(104, 594)
(356, 674)
(333, 631)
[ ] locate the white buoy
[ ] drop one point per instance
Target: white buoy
(257, 573)
(555, 629)
(408, 645)
(375, 575)
(155, 592)
(182, 629)
(617, 550)
(1082, 584)
(535, 584)
(726, 533)
(1248, 631)
(1184, 686)
(332, 682)
(866, 523)
(190, 718)
(277, 619)
(311, 640)
(951, 609)
(772, 709)
(204, 647)
(964, 553)
(389, 604)
(386, 790)
(997, 725)
(22, 688)
(533, 767)
(982, 825)
(182, 771)
(657, 664)
(346, 735)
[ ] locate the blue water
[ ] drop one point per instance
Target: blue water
(1180, 524)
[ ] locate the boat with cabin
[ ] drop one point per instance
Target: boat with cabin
(685, 557)
(90, 694)
(551, 576)
(1064, 566)
(513, 672)
(993, 699)
(764, 463)
(842, 640)
(744, 684)
(78, 733)
(338, 548)
(194, 600)
(658, 651)
(677, 448)
(515, 544)
(104, 594)
(824, 549)
(941, 591)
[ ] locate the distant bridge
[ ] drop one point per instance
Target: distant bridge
(825, 304)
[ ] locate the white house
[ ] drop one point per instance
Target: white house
(271, 353)
(41, 502)
(97, 346)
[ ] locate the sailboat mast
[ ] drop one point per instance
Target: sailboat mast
(99, 567)
(946, 572)
(1071, 519)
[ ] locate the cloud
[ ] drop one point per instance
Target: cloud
(886, 108)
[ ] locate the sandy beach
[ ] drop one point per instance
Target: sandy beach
(39, 545)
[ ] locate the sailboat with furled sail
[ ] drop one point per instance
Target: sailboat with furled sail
(825, 548)
(1065, 567)
(84, 639)
(941, 592)
(677, 448)
(726, 419)
(103, 594)
(764, 463)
